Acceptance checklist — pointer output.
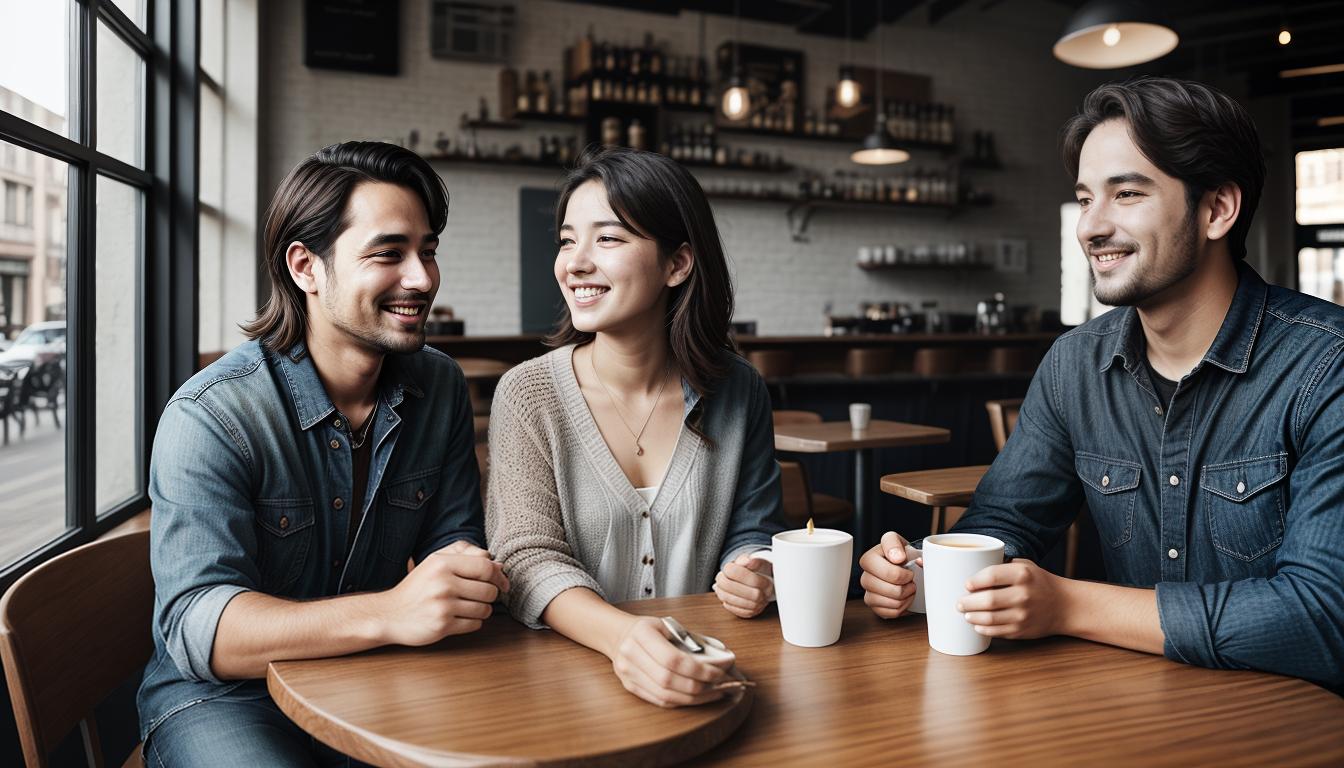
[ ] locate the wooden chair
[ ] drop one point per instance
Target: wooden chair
(71, 631)
(800, 503)
(950, 490)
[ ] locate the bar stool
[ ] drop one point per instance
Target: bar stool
(947, 489)
(800, 503)
(869, 361)
(937, 361)
(772, 363)
(1019, 359)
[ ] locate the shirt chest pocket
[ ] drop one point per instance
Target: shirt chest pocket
(1243, 502)
(405, 501)
(284, 537)
(1112, 487)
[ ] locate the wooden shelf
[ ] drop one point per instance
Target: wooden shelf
(800, 136)
(884, 267)
(517, 162)
(769, 168)
(519, 120)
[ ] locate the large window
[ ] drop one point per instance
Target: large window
(97, 158)
(1320, 223)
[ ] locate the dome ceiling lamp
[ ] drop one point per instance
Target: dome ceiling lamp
(1109, 34)
(879, 148)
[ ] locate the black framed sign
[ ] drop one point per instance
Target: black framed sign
(353, 35)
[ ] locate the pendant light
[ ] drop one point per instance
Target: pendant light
(736, 99)
(1108, 34)
(879, 148)
(847, 93)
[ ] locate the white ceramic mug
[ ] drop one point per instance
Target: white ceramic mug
(811, 573)
(950, 560)
(860, 416)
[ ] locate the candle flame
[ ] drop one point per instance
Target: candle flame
(810, 527)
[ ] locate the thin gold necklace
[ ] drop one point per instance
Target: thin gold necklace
(639, 449)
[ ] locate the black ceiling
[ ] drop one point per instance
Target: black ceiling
(1217, 36)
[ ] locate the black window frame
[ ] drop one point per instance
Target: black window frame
(166, 319)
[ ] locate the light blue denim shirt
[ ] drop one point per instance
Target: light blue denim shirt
(251, 480)
(1230, 502)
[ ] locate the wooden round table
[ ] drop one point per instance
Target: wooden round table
(508, 696)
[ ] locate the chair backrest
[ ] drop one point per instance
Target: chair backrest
(796, 417)
(1002, 419)
(797, 496)
(71, 631)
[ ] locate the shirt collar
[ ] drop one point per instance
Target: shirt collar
(1231, 348)
(311, 402)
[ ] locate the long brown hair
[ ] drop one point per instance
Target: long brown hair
(658, 199)
(309, 208)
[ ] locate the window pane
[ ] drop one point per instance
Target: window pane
(134, 10)
(32, 351)
(33, 62)
(119, 240)
(212, 38)
(1320, 187)
(121, 98)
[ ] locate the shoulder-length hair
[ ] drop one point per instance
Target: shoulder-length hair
(658, 199)
(309, 208)
(1190, 131)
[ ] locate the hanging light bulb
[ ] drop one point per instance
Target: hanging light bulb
(1285, 37)
(847, 93)
(1111, 37)
(736, 100)
(736, 103)
(1107, 34)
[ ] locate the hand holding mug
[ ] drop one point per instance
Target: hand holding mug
(1018, 600)
(745, 586)
(888, 584)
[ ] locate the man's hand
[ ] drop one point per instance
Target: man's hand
(653, 669)
(745, 586)
(888, 588)
(448, 593)
(1018, 600)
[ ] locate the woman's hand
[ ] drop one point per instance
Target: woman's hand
(745, 586)
(655, 670)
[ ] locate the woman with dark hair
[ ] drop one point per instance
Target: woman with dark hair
(636, 460)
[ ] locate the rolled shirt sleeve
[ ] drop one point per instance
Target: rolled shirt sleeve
(758, 511)
(457, 514)
(202, 539)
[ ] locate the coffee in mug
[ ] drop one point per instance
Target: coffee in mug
(950, 560)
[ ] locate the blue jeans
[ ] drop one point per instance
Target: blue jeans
(241, 729)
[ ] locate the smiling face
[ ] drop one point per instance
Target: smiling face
(376, 289)
(1137, 229)
(613, 279)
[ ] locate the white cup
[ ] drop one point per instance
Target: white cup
(811, 573)
(911, 555)
(860, 415)
(950, 560)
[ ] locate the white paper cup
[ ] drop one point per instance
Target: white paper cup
(811, 575)
(860, 416)
(950, 560)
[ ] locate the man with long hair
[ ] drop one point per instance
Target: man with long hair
(1202, 424)
(295, 478)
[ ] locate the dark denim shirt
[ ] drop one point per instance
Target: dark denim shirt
(1230, 503)
(251, 480)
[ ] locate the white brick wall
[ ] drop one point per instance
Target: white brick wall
(994, 66)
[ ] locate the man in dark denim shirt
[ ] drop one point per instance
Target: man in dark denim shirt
(312, 462)
(1219, 496)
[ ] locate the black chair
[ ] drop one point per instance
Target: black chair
(14, 380)
(45, 385)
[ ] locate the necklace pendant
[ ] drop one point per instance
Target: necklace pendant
(640, 449)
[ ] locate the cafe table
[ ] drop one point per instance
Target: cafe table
(508, 695)
(838, 436)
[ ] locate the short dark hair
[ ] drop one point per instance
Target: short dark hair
(658, 199)
(1190, 131)
(309, 208)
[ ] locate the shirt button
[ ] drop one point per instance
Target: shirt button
(336, 423)
(336, 564)
(284, 523)
(1157, 409)
(337, 503)
(1241, 487)
(420, 494)
(645, 513)
(335, 444)
(349, 588)
(1105, 480)
(1174, 480)
(648, 590)
(1173, 554)
(644, 560)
